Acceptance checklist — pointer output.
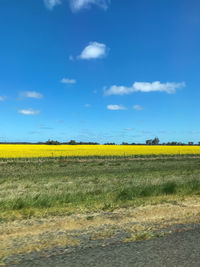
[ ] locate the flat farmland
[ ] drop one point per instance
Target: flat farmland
(38, 151)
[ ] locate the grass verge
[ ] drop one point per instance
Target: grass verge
(63, 187)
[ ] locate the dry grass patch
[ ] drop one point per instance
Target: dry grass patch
(30, 235)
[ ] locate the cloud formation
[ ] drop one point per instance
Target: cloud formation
(50, 4)
(59, 121)
(28, 112)
(145, 87)
(87, 105)
(93, 51)
(77, 5)
(45, 127)
(71, 58)
(32, 94)
(116, 107)
(68, 81)
(2, 98)
(137, 107)
(128, 129)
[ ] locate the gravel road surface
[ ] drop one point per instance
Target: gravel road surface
(178, 249)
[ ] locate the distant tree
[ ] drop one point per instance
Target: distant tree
(110, 144)
(124, 144)
(199, 143)
(173, 143)
(190, 143)
(52, 142)
(87, 143)
(155, 141)
(149, 142)
(72, 142)
(92, 143)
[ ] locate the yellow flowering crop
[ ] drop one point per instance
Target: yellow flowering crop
(35, 151)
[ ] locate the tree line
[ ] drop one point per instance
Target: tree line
(149, 142)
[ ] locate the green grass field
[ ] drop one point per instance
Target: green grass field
(44, 203)
(60, 187)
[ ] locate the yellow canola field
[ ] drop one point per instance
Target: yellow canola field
(36, 151)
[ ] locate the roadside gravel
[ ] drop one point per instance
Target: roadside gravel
(181, 248)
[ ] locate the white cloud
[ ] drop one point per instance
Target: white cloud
(138, 107)
(50, 4)
(116, 107)
(129, 129)
(71, 58)
(68, 81)
(29, 112)
(32, 94)
(87, 105)
(2, 98)
(45, 127)
(145, 87)
(94, 50)
(77, 5)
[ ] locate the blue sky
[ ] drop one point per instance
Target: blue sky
(97, 70)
